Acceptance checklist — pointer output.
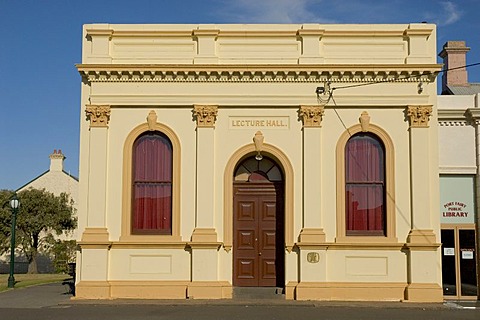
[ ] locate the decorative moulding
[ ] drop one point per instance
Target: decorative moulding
(258, 141)
(312, 116)
(152, 120)
(364, 121)
(259, 73)
(99, 115)
(205, 115)
(419, 116)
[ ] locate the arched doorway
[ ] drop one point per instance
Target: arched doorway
(258, 224)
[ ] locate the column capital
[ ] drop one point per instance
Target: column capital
(419, 116)
(206, 115)
(312, 116)
(99, 115)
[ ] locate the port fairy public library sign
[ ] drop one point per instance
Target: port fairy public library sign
(302, 157)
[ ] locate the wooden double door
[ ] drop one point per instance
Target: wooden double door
(258, 243)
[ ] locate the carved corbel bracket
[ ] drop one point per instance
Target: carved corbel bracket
(99, 115)
(205, 115)
(312, 116)
(419, 116)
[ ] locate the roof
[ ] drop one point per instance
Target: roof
(462, 90)
(38, 177)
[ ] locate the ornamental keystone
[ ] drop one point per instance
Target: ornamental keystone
(205, 115)
(99, 115)
(312, 116)
(419, 116)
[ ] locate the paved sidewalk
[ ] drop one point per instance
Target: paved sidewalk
(57, 295)
(47, 295)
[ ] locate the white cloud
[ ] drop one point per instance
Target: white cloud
(273, 11)
(452, 14)
(448, 14)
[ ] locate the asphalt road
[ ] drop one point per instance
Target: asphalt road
(53, 302)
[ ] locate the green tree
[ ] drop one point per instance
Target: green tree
(42, 213)
(5, 220)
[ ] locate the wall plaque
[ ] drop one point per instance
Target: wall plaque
(313, 257)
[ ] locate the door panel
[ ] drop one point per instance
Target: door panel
(448, 263)
(258, 234)
(468, 274)
(459, 274)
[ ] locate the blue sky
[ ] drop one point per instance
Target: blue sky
(40, 42)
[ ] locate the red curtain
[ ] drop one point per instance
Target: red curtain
(152, 184)
(365, 185)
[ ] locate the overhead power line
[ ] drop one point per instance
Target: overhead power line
(405, 78)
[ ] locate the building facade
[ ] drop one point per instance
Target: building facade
(303, 157)
(459, 160)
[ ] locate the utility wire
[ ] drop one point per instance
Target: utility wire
(408, 77)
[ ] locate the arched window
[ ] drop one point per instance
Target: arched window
(152, 161)
(365, 187)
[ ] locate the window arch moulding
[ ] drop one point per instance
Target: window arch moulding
(126, 234)
(390, 211)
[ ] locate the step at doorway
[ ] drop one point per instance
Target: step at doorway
(254, 293)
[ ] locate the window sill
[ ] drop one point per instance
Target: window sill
(150, 239)
(365, 239)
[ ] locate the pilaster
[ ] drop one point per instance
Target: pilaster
(99, 116)
(418, 50)
(204, 243)
(311, 34)
(95, 238)
(312, 231)
(206, 45)
(421, 245)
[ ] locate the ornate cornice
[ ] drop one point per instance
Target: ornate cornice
(205, 115)
(259, 73)
(419, 116)
(473, 116)
(311, 116)
(453, 117)
(99, 115)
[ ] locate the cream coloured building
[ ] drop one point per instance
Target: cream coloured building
(300, 157)
(459, 162)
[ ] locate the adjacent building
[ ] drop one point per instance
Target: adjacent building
(459, 160)
(302, 157)
(55, 180)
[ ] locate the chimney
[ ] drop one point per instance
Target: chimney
(454, 56)
(56, 160)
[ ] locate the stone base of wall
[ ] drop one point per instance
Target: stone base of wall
(348, 291)
(210, 290)
(153, 290)
(424, 292)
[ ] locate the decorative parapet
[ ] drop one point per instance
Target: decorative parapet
(312, 116)
(419, 116)
(205, 115)
(99, 115)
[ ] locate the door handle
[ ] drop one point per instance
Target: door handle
(259, 253)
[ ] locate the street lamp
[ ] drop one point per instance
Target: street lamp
(14, 204)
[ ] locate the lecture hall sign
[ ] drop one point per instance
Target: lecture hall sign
(264, 122)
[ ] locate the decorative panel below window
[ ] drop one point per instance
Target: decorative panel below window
(152, 184)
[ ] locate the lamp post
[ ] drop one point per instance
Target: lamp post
(14, 204)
